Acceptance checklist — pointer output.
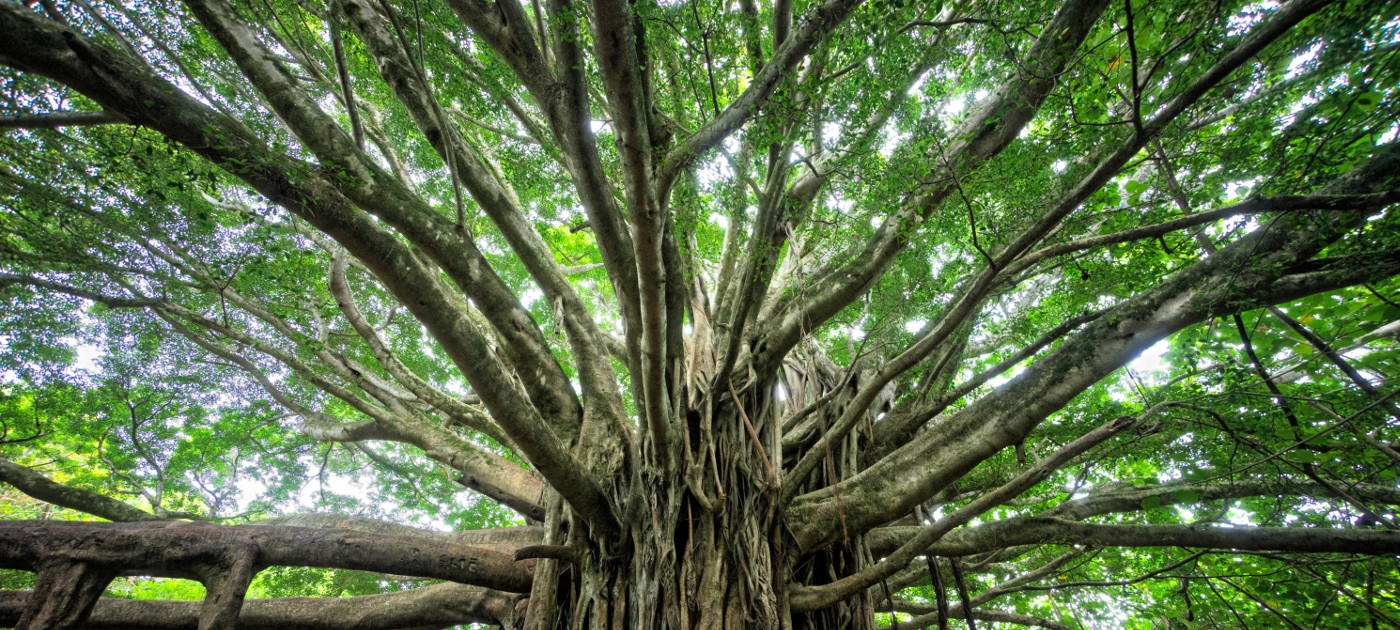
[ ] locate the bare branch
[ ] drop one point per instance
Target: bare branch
(55, 120)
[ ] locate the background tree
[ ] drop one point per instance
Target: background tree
(781, 315)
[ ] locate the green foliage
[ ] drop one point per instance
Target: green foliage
(118, 401)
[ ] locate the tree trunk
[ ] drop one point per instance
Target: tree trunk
(705, 548)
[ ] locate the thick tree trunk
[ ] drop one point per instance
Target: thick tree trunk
(703, 547)
(706, 548)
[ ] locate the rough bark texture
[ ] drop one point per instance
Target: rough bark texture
(440, 606)
(760, 484)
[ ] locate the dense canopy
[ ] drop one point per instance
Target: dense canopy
(694, 314)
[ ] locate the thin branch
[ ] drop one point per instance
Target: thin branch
(56, 120)
(346, 87)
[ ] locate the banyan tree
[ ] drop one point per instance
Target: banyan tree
(693, 314)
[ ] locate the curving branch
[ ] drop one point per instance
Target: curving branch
(561, 92)
(1238, 277)
(44, 489)
(981, 137)
(124, 85)
(399, 72)
(804, 598)
(367, 187)
(907, 416)
(789, 53)
(486, 472)
(853, 279)
(456, 410)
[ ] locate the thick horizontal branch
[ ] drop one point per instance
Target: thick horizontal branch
(175, 549)
(503, 539)
(883, 540)
(1131, 499)
(436, 606)
(1032, 530)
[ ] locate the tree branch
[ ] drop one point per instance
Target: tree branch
(1238, 277)
(804, 598)
(615, 42)
(454, 251)
(436, 606)
(44, 489)
(790, 52)
(126, 86)
(162, 549)
(1258, 205)
(995, 616)
(563, 98)
(981, 137)
(455, 409)
(55, 120)
(1033, 530)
